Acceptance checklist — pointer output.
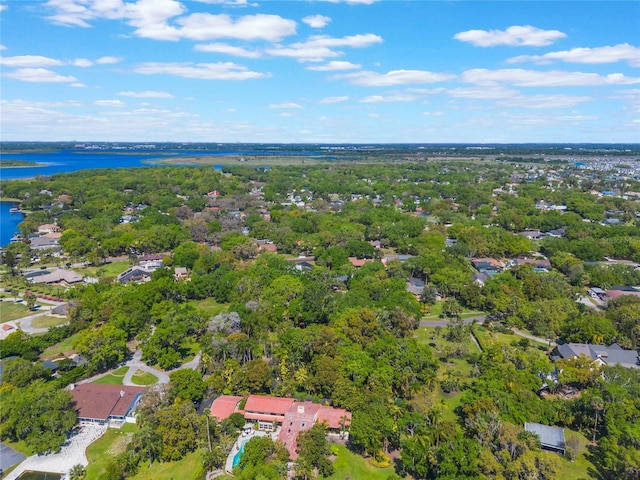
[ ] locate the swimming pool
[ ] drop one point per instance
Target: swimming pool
(236, 457)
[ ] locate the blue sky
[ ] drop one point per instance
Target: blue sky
(339, 71)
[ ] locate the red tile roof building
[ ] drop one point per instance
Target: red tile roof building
(293, 417)
(224, 406)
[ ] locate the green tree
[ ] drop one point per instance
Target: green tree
(187, 384)
(313, 450)
(103, 347)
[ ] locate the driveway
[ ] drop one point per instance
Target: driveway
(71, 454)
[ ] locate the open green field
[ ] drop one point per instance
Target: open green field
(13, 311)
(115, 441)
(100, 452)
(581, 466)
(113, 378)
(209, 305)
(48, 321)
(185, 469)
(58, 349)
(143, 378)
(350, 465)
(107, 270)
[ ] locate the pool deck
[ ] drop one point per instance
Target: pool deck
(243, 438)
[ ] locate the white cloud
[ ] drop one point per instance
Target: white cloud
(544, 101)
(78, 85)
(146, 94)
(394, 77)
(516, 35)
(204, 71)
(302, 53)
(334, 66)
(38, 75)
(108, 60)
(2, 47)
(287, 114)
(432, 114)
(388, 98)
(320, 47)
(610, 54)
(110, 103)
(316, 21)
(536, 78)
(330, 100)
(483, 93)
(30, 61)
(205, 26)
(285, 105)
(81, 62)
(228, 49)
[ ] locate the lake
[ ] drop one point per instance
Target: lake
(8, 222)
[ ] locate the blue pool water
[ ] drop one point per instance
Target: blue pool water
(236, 457)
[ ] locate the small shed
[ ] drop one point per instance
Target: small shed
(551, 438)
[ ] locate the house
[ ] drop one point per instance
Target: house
(44, 242)
(603, 355)
(480, 278)
(286, 415)
(358, 262)
(180, 273)
(487, 265)
(302, 263)
(58, 277)
(620, 290)
(224, 406)
(135, 274)
(98, 403)
(415, 286)
(551, 438)
(48, 228)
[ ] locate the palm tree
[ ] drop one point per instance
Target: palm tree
(77, 472)
(598, 405)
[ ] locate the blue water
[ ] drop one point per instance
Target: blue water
(8, 222)
(236, 457)
(73, 160)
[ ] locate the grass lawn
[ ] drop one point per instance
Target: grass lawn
(350, 465)
(109, 269)
(13, 311)
(100, 452)
(485, 337)
(185, 469)
(209, 305)
(113, 378)
(58, 349)
(580, 466)
(436, 310)
(143, 378)
(48, 321)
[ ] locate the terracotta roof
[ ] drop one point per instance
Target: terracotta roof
(263, 404)
(223, 406)
(97, 401)
(300, 417)
(332, 416)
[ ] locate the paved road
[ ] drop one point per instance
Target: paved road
(136, 364)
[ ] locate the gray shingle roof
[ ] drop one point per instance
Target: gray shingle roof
(550, 437)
